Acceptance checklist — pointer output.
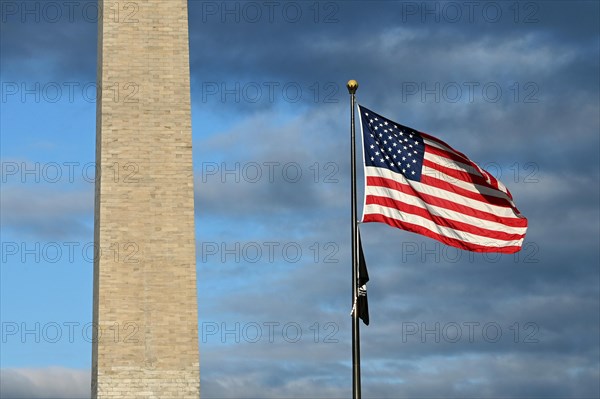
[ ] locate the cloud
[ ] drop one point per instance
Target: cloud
(42, 30)
(468, 376)
(44, 383)
(43, 212)
(299, 176)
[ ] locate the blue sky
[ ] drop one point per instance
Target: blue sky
(513, 85)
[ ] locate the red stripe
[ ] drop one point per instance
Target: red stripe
(449, 241)
(457, 174)
(444, 185)
(446, 154)
(455, 154)
(460, 157)
(443, 203)
(432, 138)
(441, 221)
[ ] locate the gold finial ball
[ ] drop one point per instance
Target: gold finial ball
(352, 85)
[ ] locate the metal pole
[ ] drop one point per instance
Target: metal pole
(356, 390)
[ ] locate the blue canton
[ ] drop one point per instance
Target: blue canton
(388, 144)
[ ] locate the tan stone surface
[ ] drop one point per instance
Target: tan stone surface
(145, 303)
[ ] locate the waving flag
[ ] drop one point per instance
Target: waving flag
(418, 183)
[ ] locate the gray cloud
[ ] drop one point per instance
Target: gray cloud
(49, 42)
(300, 172)
(44, 211)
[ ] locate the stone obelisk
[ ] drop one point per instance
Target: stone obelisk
(145, 342)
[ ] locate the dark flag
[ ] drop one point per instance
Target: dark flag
(419, 183)
(363, 277)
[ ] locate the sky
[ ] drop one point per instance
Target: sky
(514, 85)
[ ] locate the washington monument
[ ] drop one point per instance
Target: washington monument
(145, 302)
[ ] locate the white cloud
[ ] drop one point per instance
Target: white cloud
(44, 383)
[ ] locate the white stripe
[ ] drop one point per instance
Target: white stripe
(427, 224)
(448, 163)
(469, 168)
(441, 147)
(474, 188)
(443, 212)
(503, 188)
(442, 194)
(451, 164)
(362, 147)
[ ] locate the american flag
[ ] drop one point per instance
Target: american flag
(418, 183)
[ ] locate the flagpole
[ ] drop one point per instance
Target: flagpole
(352, 86)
